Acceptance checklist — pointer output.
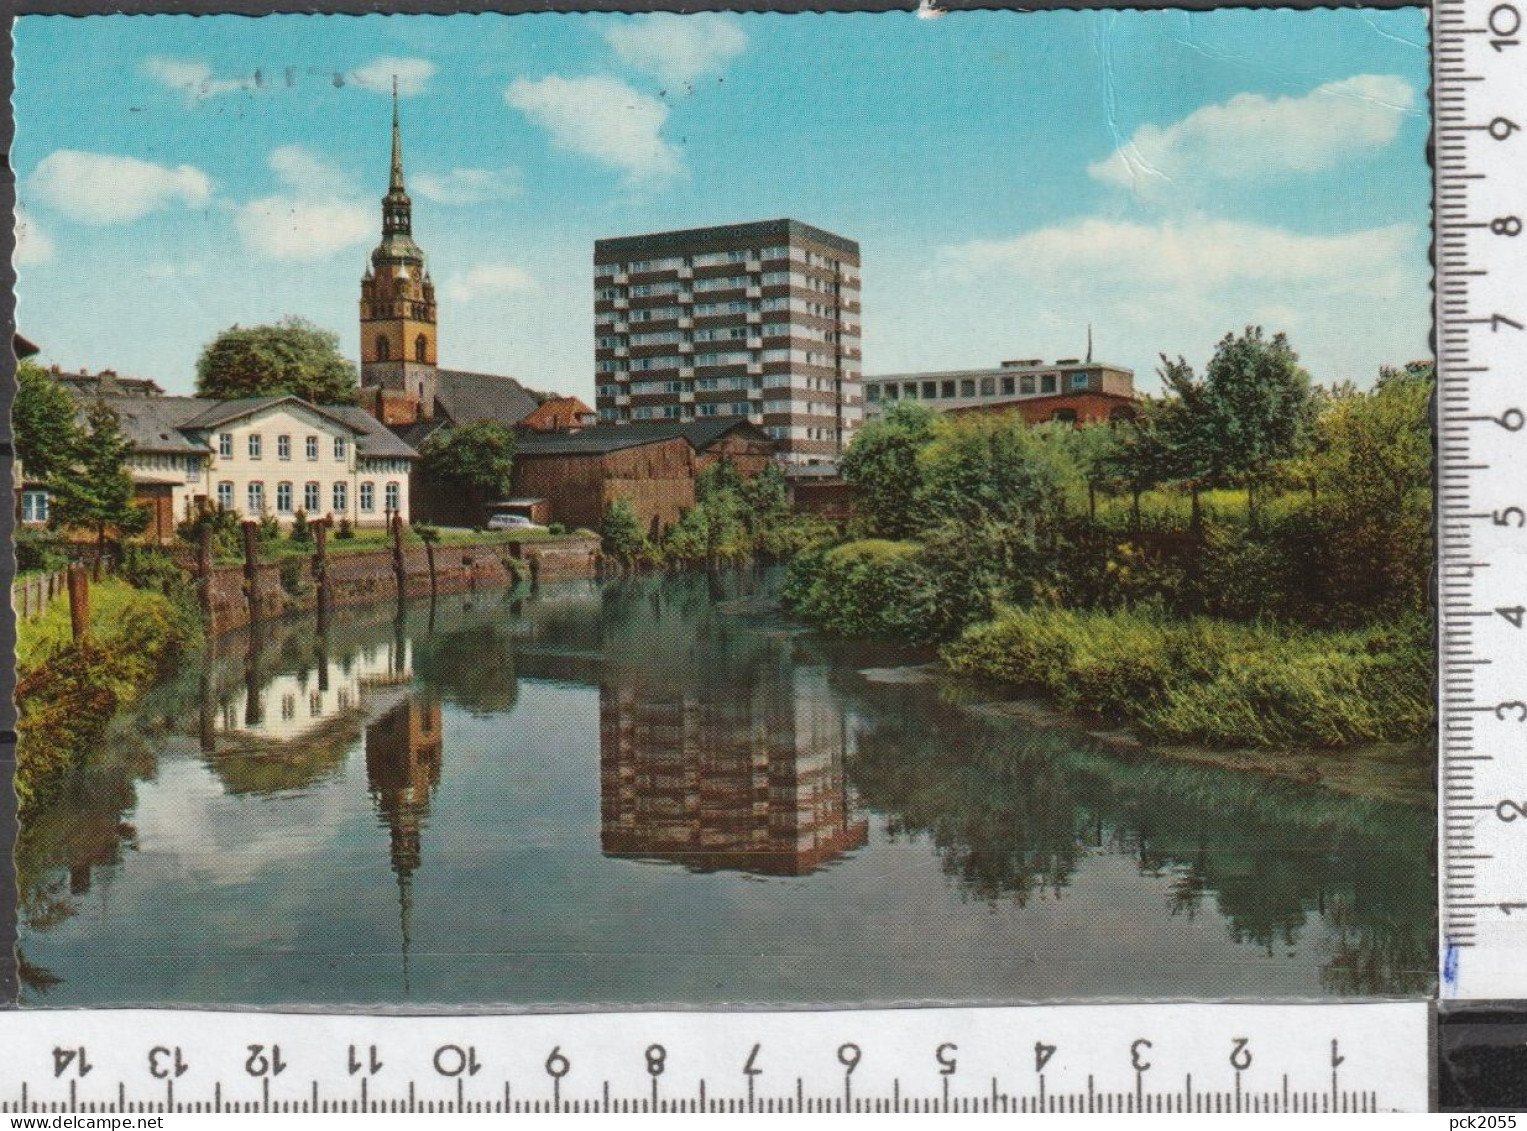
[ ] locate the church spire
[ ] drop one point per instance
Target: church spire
(397, 143)
(397, 209)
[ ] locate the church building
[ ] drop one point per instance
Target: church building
(402, 384)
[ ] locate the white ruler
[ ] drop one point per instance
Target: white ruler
(1480, 91)
(1169, 1058)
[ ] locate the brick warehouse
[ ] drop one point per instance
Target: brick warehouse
(653, 466)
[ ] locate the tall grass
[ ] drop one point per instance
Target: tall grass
(1213, 682)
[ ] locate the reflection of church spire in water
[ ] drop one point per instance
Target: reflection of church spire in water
(403, 753)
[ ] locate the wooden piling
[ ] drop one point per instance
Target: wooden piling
(321, 581)
(204, 572)
(252, 568)
(398, 570)
(79, 603)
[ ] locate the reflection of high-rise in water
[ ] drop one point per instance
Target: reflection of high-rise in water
(747, 777)
(403, 754)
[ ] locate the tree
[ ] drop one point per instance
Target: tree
(1139, 457)
(97, 491)
(476, 457)
(293, 357)
(43, 422)
(881, 463)
(1258, 408)
(621, 532)
(983, 467)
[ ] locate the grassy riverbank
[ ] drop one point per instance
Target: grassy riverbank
(66, 693)
(1210, 681)
(1152, 572)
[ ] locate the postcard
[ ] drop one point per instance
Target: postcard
(604, 511)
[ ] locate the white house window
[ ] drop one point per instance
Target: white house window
(225, 444)
(310, 500)
(341, 497)
(34, 506)
(225, 495)
(339, 447)
(368, 496)
(257, 498)
(312, 446)
(256, 445)
(284, 498)
(283, 447)
(392, 497)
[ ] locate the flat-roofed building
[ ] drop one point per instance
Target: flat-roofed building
(1070, 390)
(759, 321)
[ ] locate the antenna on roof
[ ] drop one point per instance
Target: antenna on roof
(1089, 343)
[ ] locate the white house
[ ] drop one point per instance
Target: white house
(257, 456)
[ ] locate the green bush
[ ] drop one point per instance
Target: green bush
(871, 588)
(1212, 681)
(67, 693)
(345, 530)
(301, 532)
(40, 551)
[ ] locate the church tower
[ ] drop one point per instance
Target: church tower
(398, 361)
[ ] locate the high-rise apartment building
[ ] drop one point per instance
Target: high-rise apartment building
(753, 320)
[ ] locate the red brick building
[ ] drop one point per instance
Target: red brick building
(652, 466)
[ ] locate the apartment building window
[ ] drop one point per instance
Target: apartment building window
(283, 498)
(312, 447)
(283, 447)
(368, 496)
(391, 496)
(310, 500)
(930, 390)
(340, 447)
(909, 391)
(1078, 380)
(967, 388)
(225, 444)
(256, 445)
(988, 386)
(1025, 385)
(872, 394)
(256, 498)
(947, 389)
(1007, 386)
(892, 392)
(1047, 383)
(341, 496)
(34, 506)
(225, 495)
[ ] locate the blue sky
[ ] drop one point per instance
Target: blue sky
(1167, 176)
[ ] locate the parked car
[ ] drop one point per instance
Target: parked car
(512, 522)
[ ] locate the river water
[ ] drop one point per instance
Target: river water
(661, 791)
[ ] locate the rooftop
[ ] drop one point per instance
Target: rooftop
(688, 237)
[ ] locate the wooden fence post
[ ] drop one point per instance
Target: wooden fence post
(320, 530)
(252, 568)
(204, 573)
(79, 603)
(397, 557)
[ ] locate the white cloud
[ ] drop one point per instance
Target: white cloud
(291, 229)
(305, 172)
(194, 78)
(1349, 301)
(1253, 135)
(488, 280)
(467, 186)
(1201, 255)
(601, 118)
(413, 75)
(33, 245)
(677, 49)
(103, 188)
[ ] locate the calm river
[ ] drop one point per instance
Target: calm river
(661, 791)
